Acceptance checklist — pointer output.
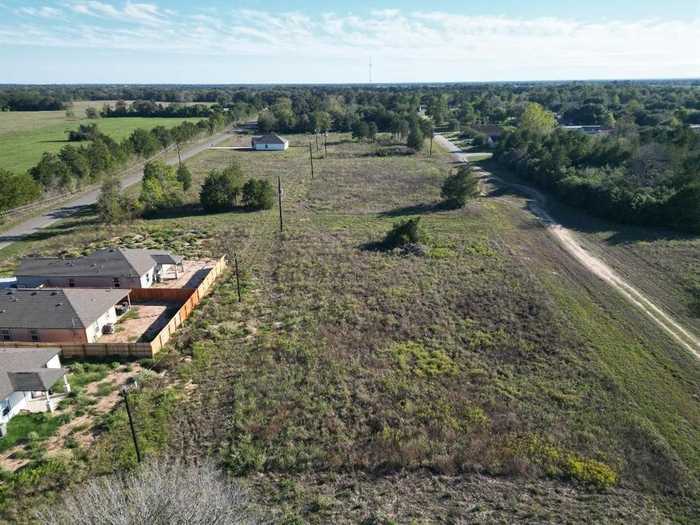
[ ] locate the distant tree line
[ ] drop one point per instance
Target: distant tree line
(638, 176)
(26, 100)
(148, 108)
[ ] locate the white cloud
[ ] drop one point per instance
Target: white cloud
(130, 12)
(475, 47)
(42, 12)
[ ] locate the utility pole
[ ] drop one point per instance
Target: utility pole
(430, 153)
(279, 197)
(325, 144)
(311, 159)
(125, 395)
(238, 277)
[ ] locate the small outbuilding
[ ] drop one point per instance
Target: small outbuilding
(269, 142)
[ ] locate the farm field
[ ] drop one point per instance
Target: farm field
(489, 380)
(26, 135)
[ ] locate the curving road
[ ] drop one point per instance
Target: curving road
(568, 240)
(128, 178)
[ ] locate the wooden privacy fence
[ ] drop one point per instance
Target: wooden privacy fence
(190, 303)
(189, 297)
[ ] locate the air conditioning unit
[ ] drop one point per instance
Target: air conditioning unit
(108, 328)
(121, 309)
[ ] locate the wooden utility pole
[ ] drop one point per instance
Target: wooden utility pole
(325, 145)
(125, 395)
(311, 158)
(430, 153)
(238, 277)
(279, 197)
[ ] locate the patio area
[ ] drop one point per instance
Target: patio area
(194, 273)
(142, 322)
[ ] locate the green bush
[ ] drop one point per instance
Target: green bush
(258, 194)
(221, 189)
(591, 472)
(184, 177)
(404, 232)
(459, 187)
(160, 189)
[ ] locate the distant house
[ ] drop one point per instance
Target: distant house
(269, 142)
(592, 129)
(55, 315)
(26, 373)
(108, 268)
(493, 133)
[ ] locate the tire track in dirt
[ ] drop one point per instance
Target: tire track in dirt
(568, 240)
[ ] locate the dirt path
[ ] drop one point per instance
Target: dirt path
(569, 241)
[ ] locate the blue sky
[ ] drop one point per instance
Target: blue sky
(248, 41)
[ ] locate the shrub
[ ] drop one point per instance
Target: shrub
(113, 206)
(221, 188)
(591, 472)
(415, 139)
(405, 232)
(184, 177)
(160, 189)
(157, 493)
(258, 194)
(459, 187)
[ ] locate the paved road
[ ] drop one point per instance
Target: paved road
(129, 178)
(568, 240)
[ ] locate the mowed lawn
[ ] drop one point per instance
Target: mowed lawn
(26, 135)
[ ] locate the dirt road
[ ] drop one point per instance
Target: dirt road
(128, 178)
(568, 240)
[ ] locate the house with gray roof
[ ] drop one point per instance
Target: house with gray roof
(55, 315)
(25, 374)
(108, 268)
(269, 142)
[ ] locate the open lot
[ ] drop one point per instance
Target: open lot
(492, 378)
(26, 135)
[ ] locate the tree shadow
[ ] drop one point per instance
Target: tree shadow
(418, 209)
(373, 246)
(192, 209)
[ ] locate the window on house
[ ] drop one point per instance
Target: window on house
(35, 336)
(116, 283)
(5, 335)
(71, 283)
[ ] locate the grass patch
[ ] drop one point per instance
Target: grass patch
(26, 135)
(30, 427)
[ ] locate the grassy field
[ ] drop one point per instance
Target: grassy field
(25, 135)
(491, 380)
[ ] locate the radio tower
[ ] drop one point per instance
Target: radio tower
(370, 70)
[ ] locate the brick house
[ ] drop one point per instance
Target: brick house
(108, 268)
(56, 315)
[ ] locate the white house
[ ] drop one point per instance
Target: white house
(269, 142)
(26, 374)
